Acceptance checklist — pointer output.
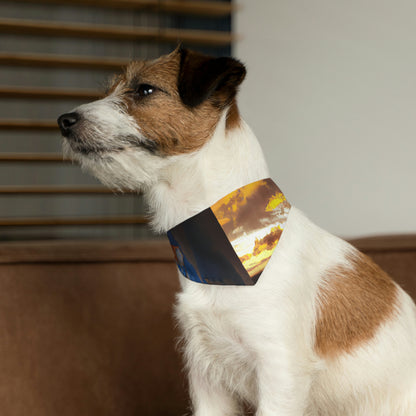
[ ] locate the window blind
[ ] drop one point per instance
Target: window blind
(55, 55)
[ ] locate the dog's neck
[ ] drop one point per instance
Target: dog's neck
(231, 159)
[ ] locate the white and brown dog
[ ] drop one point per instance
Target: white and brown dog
(324, 331)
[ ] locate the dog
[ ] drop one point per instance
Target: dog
(324, 331)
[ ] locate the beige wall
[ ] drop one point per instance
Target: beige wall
(331, 95)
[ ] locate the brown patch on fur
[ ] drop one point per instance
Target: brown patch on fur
(162, 117)
(354, 302)
(233, 116)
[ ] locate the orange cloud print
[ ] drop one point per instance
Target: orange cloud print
(228, 207)
(253, 218)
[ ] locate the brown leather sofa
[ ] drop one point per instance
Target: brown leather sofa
(86, 328)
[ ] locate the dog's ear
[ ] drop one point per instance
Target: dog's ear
(202, 77)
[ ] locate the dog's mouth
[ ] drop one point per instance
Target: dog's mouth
(86, 138)
(82, 137)
(70, 125)
(79, 146)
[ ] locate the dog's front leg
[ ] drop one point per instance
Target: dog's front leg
(209, 399)
(283, 386)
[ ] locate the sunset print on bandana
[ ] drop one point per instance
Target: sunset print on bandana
(231, 242)
(253, 218)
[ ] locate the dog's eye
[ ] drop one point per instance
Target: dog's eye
(143, 90)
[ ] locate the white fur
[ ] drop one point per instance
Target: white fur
(107, 122)
(256, 343)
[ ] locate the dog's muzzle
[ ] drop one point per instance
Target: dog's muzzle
(67, 123)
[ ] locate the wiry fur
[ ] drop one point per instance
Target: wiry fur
(258, 344)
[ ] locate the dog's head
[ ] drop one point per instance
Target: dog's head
(154, 111)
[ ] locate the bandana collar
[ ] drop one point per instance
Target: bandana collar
(231, 242)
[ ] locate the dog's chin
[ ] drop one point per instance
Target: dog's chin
(68, 152)
(119, 169)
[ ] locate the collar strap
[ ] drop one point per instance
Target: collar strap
(231, 242)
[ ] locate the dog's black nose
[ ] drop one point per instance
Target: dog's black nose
(67, 121)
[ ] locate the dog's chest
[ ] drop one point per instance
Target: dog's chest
(215, 343)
